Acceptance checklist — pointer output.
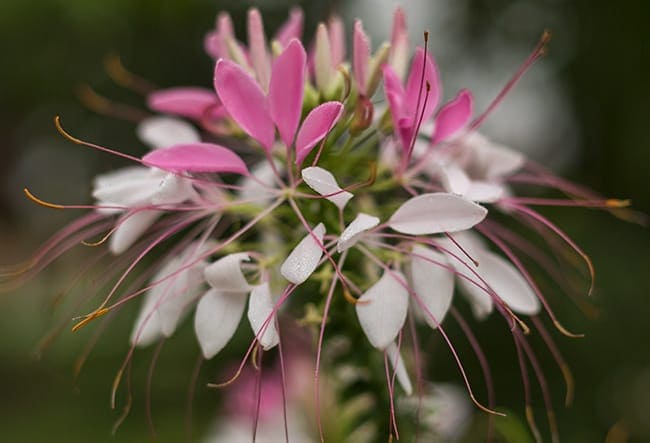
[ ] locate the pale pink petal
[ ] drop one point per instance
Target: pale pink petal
(187, 102)
(286, 90)
(453, 116)
(261, 316)
(259, 56)
(508, 283)
(196, 157)
(484, 192)
(323, 70)
(355, 231)
(291, 29)
(215, 42)
(162, 132)
(337, 40)
(416, 87)
(399, 44)
(397, 363)
(436, 213)
(226, 275)
(130, 228)
(317, 124)
(216, 319)
(323, 182)
(382, 309)
(360, 56)
(245, 102)
(433, 284)
(304, 258)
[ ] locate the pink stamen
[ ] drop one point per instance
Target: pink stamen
(147, 397)
(538, 52)
(538, 217)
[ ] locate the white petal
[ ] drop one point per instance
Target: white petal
(147, 329)
(484, 192)
(508, 283)
(436, 213)
(382, 309)
(216, 319)
(260, 316)
(479, 299)
(253, 190)
(226, 275)
(131, 227)
(400, 370)
(433, 284)
(304, 258)
(163, 132)
(354, 231)
(323, 182)
(178, 293)
(500, 161)
(172, 189)
(454, 179)
(127, 187)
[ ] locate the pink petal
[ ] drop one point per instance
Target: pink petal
(259, 56)
(416, 87)
(360, 56)
(453, 116)
(395, 95)
(196, 157)
(291, 29)
(286, 90)
(436, 213)
(245, 101)
(187, 102)
(317, 124)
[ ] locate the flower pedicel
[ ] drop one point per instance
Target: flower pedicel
(291, 189)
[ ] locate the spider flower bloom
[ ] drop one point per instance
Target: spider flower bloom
(309, 211)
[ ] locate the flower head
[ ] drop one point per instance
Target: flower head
(378, 225)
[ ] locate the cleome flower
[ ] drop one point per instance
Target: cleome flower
(308, 210)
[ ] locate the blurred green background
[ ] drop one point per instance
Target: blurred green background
(49, 48)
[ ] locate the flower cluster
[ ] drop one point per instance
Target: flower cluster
(345, 193)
